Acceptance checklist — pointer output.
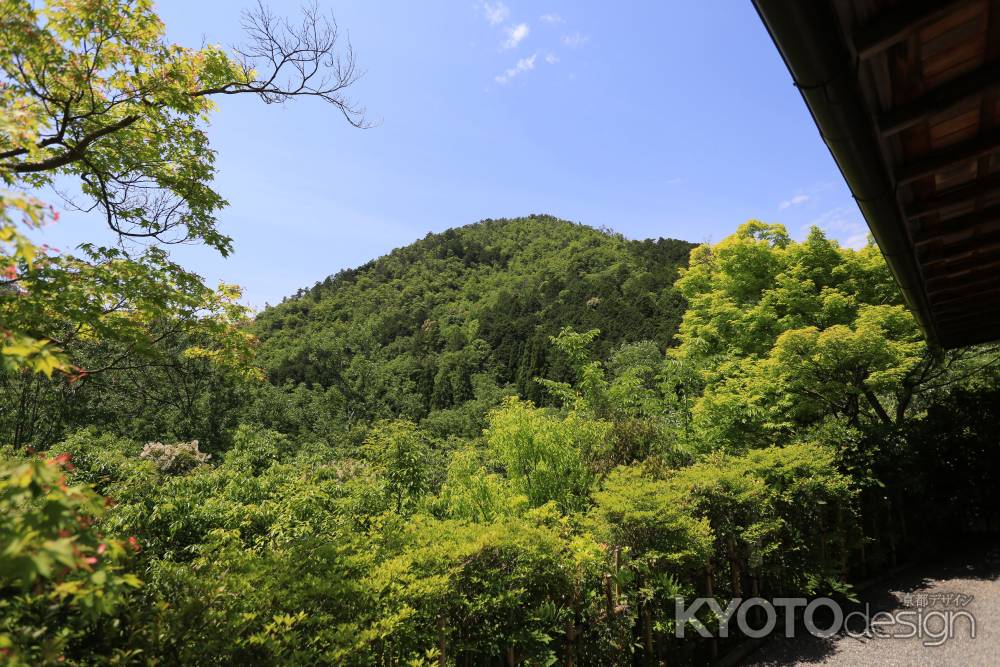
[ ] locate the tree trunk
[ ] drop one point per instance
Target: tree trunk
(618, 567)
(442, 643)
(877, 406)
(570, 642)
(609, 597)
(647, 634)
(734, 568)
(892, 531)
(755, 592)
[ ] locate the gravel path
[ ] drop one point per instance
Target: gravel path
(973, 572)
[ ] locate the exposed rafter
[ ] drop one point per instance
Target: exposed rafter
(906, 94)
(892, 28)
(964, 89)
(964, 195)
(950, 157)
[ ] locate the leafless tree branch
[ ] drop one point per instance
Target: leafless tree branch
(282, 60)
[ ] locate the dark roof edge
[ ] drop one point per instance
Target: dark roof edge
(808, 37)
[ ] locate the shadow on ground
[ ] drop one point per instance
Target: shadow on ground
(971, 569)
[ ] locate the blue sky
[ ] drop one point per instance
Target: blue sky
(673, 119)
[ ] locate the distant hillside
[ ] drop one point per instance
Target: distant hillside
(413, 330)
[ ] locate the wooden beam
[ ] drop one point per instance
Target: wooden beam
(950, 277)
(964, 194)
(894, 26)
(965, 337)
(972, 318)
(960, 289)
(969, 323)
(941, 279)
(966, 151)
(946, 300)
(966, 332)
(963, 279)
(970, 333)
(986, 325)
(942, 98)
(957, 230)
(968, 252)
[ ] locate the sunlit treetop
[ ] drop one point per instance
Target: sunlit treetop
(91, 91)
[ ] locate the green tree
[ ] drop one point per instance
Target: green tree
(546, 457)
(401, 454)
(786, 335)
(94, 92)
(58, 571)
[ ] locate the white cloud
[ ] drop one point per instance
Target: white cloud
(515, 35)
(551, 19)
(844, 224)
(496, 13)
(857, 241)
(551, 58)
(675, 180)
(523, 65)
(794, 201)
(575, 40)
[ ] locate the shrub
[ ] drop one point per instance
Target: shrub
(174, 459)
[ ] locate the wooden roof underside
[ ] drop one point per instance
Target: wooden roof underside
(928, 76)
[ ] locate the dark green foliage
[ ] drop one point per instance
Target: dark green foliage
(950, 475)
(405, 334)
(484, 448)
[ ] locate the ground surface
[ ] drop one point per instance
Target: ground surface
(930, 591)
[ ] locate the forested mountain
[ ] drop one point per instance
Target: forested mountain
(511, 443)
(406, 333)
(515, 443)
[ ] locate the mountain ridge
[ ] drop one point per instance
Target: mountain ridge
(480, 299)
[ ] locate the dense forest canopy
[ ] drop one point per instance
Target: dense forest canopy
(480, 299)
(446, 457)
(510, 443)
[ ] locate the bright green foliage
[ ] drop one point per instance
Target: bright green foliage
(650, 518)
(833, 370)
(546, 458)
(401, 455)
(629, 393)
(752, 286)
(487, 447)
(637, 391)
(104, 71)
(764, 516)
(18, 211)
(54, 562)
(486, 590)
(786, 335)
(771, 509)
(475, 493)
(299, 604)
(93, 92)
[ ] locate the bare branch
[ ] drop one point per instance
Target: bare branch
(282, 60)
(145, 196)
